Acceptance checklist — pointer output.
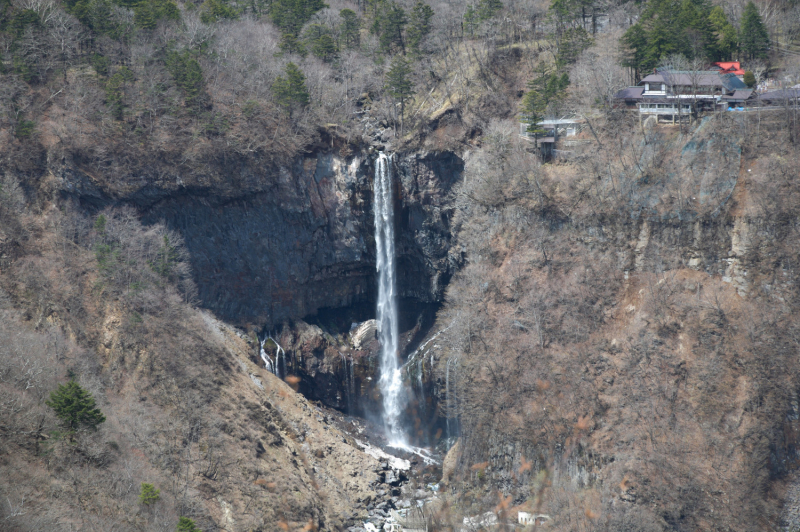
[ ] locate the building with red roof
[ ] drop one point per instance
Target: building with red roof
(729, 67)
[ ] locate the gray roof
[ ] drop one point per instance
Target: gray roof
(780, 95)
(742, 94)
(701, 78)
(630, 93)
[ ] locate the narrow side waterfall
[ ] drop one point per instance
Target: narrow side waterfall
(274, 366)
(391, 381)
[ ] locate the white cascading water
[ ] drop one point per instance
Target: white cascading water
(274, 367)
(391, 380)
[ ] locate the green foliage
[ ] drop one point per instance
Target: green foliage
(100, 64)
(166, 259)
(101, 17)
(115, 92)
(186, 525)
(290, 44)
(749, 79)
(148, 13)
(398, 79)
(399, 83)
(389, 26)
(149, 494)
(319, 40)
(100, 224)
(291, 15)
(75, 407)
(573, 42)
(754, 35)
(349, 28)
(290, 91)
(545, 89)
(24, 68)
(726, 34)
(487, 9)
(22, 19)
(105, 253)
(188, 76)
(106, 256)
(214, 10)
(24, 129)
(568, 13)
(214, 124)
(687, 27)
(471, 20)
(420, 26)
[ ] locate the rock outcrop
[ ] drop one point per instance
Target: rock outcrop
(279, 243)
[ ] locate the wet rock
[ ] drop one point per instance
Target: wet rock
(391, 478)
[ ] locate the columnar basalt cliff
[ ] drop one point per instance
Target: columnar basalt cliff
(279, 243)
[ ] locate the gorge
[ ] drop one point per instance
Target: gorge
(322, 267)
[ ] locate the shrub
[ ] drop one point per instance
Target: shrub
(75, 407)
(749, 78)
(188, 76)
(25, 128)
(149, 494)
(290, 91)
(187, 525)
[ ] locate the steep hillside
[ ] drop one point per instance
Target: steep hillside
(620, 346)
(188, 411)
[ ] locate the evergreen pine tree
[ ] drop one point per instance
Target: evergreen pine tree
(634, 42)
(349, 29)
(149, 494)
(727, 36)
(391, 26)
(188, 76)
(754, 35)
(573, 42)
(290, 91)
(399, 83)
(487, 9)
(214, 10)
(146, 14)
(420, 26)
(470, 20)
(324, 47)
(697, 38)
(186, 525)
(546, 88)
(290, 44)
(749, 78)
(75, 407)
(291, 15)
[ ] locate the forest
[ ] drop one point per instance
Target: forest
(606, 339)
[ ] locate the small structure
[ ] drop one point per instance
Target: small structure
(550, 131)
(525, 518)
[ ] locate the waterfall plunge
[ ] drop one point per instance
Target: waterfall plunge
(391, 381)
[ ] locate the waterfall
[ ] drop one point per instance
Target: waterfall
(451, 396)
(351, 390)
(265, 358)
(447, 397)
(391, 381)
(349, 386)
(280, 354)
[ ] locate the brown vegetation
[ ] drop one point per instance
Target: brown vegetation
(625, 325)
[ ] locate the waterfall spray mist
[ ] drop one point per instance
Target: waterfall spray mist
(391, 381)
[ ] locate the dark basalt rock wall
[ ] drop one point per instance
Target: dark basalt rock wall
(298, 238)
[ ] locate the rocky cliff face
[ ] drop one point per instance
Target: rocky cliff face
(279, 243)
